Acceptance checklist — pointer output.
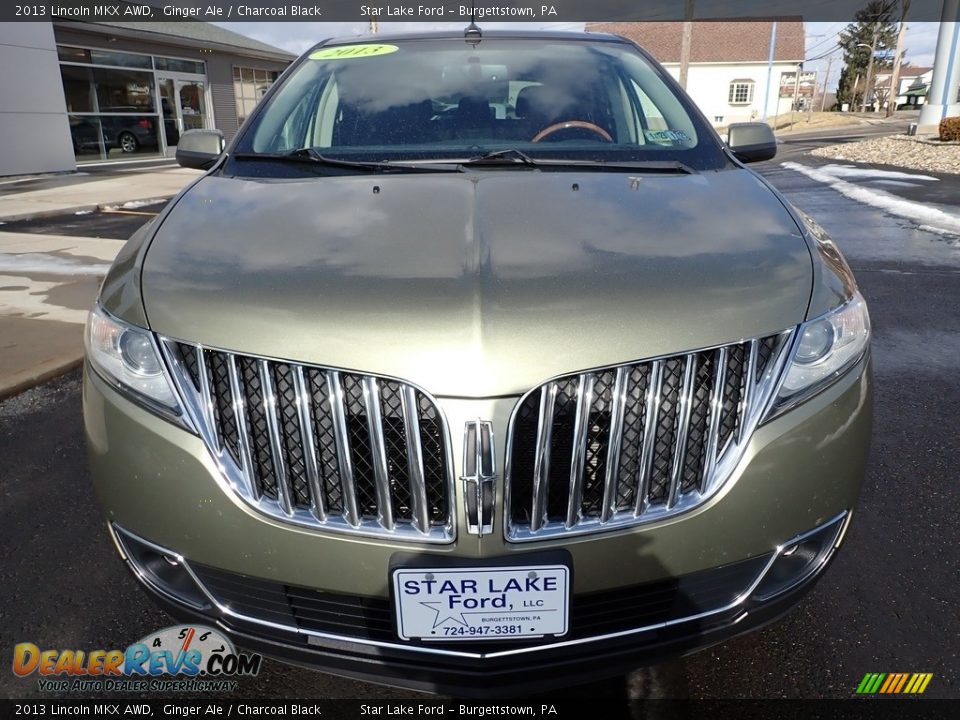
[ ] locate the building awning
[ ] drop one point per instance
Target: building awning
(916, 91)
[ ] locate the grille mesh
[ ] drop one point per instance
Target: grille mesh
(299, 442)
(656, 432)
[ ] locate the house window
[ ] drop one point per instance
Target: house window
(249, 85)
(741, 92)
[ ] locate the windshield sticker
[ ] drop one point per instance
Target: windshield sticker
(348, 52)
(666, 136)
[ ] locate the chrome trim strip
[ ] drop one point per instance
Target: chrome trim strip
(479, 476)
(206, 399)
(749, 390)
(739, 601)
(307, 443)
(713, 431)
(347, 487)
(371, 401)
(651, 415)
(541, 463)
(682, 430)
(578, 460)
(276, 442)
(618, 401)
(119, 535)
(418, 488)
(240, 417)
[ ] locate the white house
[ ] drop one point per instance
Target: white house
(729, 76)
(912, 89)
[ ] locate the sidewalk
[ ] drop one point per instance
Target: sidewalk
(47, 281)
(20, 200)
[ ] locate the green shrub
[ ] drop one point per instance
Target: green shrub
(950, 128)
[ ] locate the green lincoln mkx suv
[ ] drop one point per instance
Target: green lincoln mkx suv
(478, 361)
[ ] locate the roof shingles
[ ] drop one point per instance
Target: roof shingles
(714, 42)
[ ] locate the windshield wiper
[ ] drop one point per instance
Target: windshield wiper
(514, 156)
(311, 155)
(510, 156)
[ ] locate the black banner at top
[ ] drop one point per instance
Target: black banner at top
(540, 11)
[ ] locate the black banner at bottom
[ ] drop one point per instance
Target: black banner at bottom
(592, 709)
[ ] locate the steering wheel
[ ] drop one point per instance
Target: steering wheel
(582, 124)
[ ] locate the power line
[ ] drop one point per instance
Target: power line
(827, 54)
(829, 37)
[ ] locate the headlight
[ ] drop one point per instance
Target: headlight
(825, 348)
(128, 358)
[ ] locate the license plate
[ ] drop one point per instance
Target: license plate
(497, 603)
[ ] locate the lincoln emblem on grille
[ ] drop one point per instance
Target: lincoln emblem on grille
(479, 476)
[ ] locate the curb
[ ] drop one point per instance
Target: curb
(28, 379)
(99, 207)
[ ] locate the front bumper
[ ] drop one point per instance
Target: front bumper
(800, 471)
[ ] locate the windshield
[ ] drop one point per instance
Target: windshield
(449, 99)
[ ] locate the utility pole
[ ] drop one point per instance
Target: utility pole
(374, 27)
(685, 43)
(873, 52)
(895, 77)
(823, 97)
(796, 94)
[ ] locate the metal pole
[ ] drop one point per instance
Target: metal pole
(685, 43)
(823, 98)
(796, 94)
(773, 45)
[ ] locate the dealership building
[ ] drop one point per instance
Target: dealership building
(91, 92)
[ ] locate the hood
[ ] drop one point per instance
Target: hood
(481, 284)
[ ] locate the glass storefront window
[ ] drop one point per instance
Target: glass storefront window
(124, 90)
(114, 112)
(249, 86)
(177, 65)
(72, 54)
(87, 138)
(102, 57)
(78, 88)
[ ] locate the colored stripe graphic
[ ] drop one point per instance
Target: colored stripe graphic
(894, 683)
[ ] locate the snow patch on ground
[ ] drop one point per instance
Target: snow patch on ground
(134, 204)
(852, 171)
(43, 264)
(924, 215)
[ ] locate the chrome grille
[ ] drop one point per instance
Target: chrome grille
(630, 444)
(318, 447)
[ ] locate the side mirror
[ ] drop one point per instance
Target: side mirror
(199, 149)
(752, 141)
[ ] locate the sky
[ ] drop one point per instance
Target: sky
(920, 41)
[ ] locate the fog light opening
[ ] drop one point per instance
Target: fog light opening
(800, 558)
(162, 570)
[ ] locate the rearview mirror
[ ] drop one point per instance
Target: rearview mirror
(199, 149)
(752, 141)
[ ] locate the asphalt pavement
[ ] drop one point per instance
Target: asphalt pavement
(888, 604)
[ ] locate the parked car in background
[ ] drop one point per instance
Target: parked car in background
(478, 363)
(131, 133)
